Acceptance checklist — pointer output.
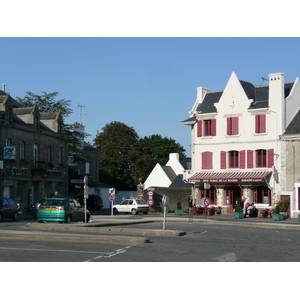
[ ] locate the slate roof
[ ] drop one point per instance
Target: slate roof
(259, 95)
(179, 183)
(169, 172)
(294, 126)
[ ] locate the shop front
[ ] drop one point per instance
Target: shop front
(225, 189)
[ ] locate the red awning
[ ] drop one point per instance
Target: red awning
(225, 177)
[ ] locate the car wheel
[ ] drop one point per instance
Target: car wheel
(0, 217)
(15, 217)
(115, 211)
(145, 212)
(69, 219)
(134, 211)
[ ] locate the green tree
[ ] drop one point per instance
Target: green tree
(47, 103)
(115, 143)
(161, 147)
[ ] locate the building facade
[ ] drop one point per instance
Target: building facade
(34, 153)
(245, 144)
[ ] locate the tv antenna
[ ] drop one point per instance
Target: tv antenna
(81, 106)
(264, 79)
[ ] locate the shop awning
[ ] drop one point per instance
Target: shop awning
(225, 177)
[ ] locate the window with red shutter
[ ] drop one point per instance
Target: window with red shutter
(207, 160)
(260, 123)
(233, 159)
(261, 158)
(199, 128)
(223, 159)
(270, 158)
(249, 159)
(233, 126)
(242, 159)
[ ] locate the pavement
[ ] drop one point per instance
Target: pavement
(124, 229)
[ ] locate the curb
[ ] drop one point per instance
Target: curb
(105, 229)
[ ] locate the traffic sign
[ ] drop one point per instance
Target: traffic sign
(150, 193)
(111, 198)
(206, 201)
(150, 202)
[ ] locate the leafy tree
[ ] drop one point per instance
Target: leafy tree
(115, 143)
(47, 102)
(161, 147)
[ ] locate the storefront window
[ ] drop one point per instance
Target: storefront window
(262, 195)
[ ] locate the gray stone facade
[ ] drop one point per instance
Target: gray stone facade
(34, 153)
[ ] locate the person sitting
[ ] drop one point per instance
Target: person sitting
(249, 210)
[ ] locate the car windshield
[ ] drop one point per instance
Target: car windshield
(139, 201)
(53, 202)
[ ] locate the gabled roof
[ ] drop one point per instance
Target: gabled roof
(179, 183)
(294, 126)
(259, 95)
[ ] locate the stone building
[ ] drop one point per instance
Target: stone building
(34, 153)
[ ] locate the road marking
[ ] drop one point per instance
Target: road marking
(110, 254)
(50, 250)
(226, 257)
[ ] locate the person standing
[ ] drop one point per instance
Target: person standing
(190, 202)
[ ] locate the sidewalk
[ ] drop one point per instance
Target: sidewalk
(120, 219)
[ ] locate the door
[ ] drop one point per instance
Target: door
(234, 196)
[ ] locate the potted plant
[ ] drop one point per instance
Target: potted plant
(179, 210)
(238, 212)
(277, 216)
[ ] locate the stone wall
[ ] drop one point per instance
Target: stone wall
(174, 194)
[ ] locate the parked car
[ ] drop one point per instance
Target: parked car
(61, 210)
(94, 202)
(8, 209)
(131, 205)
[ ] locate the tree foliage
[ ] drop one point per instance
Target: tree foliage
(161, 147)
(125, 159)
(47, 103)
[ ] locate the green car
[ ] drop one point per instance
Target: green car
(61, 210)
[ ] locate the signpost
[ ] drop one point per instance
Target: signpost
(111, 193)
(165, 202)
(86, 194)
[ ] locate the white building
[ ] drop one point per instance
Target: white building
(240, 138)
(165, 176)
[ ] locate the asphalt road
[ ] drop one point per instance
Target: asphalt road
(202, 243)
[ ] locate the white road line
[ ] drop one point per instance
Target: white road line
(51, 250)
(110, 254)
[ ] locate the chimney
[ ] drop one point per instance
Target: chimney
(3, 87)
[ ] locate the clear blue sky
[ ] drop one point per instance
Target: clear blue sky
(147, 83)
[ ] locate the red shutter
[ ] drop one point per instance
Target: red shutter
(257, 124)
(242, 159)
(228, 126)
(223, 159)
(270, 158)
(249, 159)
(235, 125)
(199, 128)
(213, 127)
(207, 160)
(263, 123)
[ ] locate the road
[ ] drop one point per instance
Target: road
(202, 243)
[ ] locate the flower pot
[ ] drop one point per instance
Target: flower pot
(238, 215)
(277, 217)
(179, 212)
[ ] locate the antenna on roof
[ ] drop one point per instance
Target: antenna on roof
(81, 106)
(264, 79)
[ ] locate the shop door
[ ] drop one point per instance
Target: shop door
(234, 195)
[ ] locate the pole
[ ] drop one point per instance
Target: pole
(164, 224)
(112, 204)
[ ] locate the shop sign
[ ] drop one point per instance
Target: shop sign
(16, 171)
(9, 152)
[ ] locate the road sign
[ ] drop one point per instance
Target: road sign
(111, 198)
(150, 202)
(206, 201)
(112, 191)
(150, 193)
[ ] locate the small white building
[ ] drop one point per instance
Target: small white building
(164, 176)
(242, 143)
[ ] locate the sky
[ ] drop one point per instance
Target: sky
(148, 83)
(140, 62)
